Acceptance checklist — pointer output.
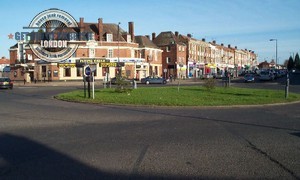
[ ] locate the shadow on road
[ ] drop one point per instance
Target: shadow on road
(22, 158)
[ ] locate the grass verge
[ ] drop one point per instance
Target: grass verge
(186, 96)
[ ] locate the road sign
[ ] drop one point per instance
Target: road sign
(87, 71)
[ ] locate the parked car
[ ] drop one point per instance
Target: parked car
(266, 76)
(249, 78)
(153, 80)
(6, 83)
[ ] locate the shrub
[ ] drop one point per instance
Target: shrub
(210, 84)
(123, 86)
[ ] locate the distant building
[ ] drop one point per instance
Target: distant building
(4, 67)
(174, 60)
(264, 65)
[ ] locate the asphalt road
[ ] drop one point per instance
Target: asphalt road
(43, 138)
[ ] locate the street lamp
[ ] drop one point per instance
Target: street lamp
(276, 50)
(118, 36)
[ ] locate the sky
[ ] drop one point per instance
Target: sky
(245, 24)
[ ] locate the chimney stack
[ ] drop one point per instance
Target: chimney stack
(222, 44)
(229, 46)
(203, 39)
(214, 41)
(81, 27)
(176, 33)
(131, 30)
(235, 47)
(189, 35)
(100, 28)
(153, 36)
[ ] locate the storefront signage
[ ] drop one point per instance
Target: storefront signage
(67, 65)
(93, 61)
(111, 64)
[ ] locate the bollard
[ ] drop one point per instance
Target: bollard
(287, 86)
(134, 84)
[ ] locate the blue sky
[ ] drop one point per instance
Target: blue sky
(245, 24)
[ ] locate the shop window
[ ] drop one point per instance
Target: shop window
(55, 73)
(79, 71)
(44, 69)
(105, 70)
(67, 72)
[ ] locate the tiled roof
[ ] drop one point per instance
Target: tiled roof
(4, 61)
(167, 38)
(107, 28)
(144, 41)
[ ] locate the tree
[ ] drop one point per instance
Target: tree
(297, 62)
(290, 64)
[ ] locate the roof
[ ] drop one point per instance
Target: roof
(3, 60)
(107, 28)
(144, 41)
(167, 38)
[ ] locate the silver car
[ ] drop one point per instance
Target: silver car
(266, 76)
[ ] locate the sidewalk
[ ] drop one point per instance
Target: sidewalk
(80, 83)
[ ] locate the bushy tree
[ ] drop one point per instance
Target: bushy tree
(290, 64)
(297, 62)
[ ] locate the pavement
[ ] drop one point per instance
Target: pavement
(97, 82)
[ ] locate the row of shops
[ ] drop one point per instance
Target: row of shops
(200, 70)
(134, 68)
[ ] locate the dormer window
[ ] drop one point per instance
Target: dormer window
(109, 37)
(72, 36)
(91, 36)
(128, 38)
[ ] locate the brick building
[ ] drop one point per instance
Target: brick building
(174, 60)
(4, 67)
(101, 41)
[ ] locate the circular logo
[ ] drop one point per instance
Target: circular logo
(53, 32)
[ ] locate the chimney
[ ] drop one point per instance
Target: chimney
(81, 22)
(203, 39)
(214, 41)
(176, 33)
(222, 44)
(235, 47)
(229, 46)
(189, 35)
(147, 36)
(81, 27)
(153, 36)
(131, 30)
(100, 28)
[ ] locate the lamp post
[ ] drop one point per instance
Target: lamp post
(119, 73)
(276, 50)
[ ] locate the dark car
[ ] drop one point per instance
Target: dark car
(249, 78)
(6, 83)
(153, 80)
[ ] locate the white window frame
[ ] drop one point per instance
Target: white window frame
(109, 37)
(110, 53)
(168, 60)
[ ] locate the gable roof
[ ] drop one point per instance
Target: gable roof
(167, 38)
(144, 41)
(108, 28)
